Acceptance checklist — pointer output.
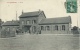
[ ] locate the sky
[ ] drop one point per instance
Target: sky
(51, 8)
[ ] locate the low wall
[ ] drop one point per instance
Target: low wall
(56, 32)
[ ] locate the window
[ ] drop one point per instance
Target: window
(48, 28)
(42, 28)
(27, 22)
(8, 29)
(63, 27)
(22, 22)
(34, 22)
(56, 27)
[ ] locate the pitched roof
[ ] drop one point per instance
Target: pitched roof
(56, 20)
(31, 14)
(11, 23)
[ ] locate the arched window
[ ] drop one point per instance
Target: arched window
(63, 27)
(56, 27)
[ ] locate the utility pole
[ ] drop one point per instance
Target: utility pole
(16, 15)
(78, 14)
(77, 21)
(22, 12)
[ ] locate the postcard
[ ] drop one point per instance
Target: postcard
(39, 24)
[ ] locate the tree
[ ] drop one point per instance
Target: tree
(1, 22)
(75, 30)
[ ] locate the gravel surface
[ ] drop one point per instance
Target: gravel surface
(40, 42)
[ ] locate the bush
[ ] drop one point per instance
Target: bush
(75, 30)
(5, 33)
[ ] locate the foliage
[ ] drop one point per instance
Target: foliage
(7, 33)
(75, 30)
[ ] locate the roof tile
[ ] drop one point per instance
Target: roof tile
(30, 14)
(11, 23)
(56, 20)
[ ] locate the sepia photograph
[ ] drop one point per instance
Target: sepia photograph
(39, 24)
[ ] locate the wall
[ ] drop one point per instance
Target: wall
(9, 31)
(38, 19)
(53, 31)
(41, 16)
(10, 27)
(31, 24)
(26, 19)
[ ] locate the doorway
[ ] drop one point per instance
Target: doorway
(27, 29)
(34, 29)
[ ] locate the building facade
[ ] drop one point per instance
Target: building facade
(56, 25)
(11, 25)
(9, 28)
(29, 22)
(37, 23)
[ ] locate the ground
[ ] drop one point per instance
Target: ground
(40, 42)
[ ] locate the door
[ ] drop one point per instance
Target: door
(34, 29)
(27, 29)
